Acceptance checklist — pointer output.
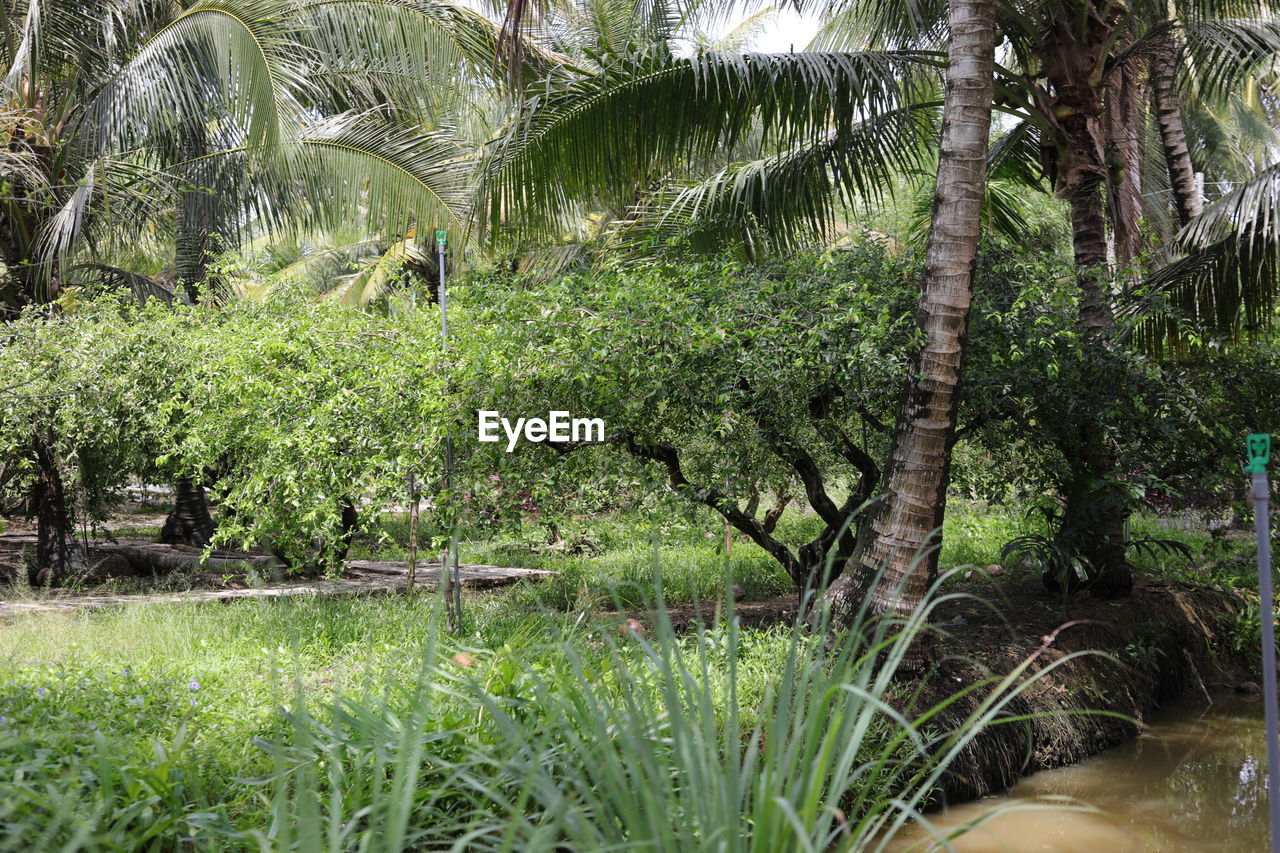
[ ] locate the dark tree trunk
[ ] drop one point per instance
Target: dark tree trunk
(1110, 573)
(189, 522)
(58, 552)
(1074, 50)
(350, 521)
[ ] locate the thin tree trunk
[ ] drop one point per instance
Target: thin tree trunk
(1173, 137)
(905, 531)
(57, 550)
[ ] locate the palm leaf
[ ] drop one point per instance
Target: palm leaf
(237, 58)
(605, 136)
(1220, 55)
(788, 200)
(359, 171)
(379, 273)
(1228, 279)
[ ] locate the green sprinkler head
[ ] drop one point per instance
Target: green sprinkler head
(1258, 446)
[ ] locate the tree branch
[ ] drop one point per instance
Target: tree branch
(669, 457)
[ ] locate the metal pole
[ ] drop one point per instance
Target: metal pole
(728, 528)
(453, 592)
(1259, 454)
(413, 530)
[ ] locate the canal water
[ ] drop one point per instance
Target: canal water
(1194, 781)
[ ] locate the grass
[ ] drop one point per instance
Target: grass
(619, 570)
(139, 675)
(360, 724)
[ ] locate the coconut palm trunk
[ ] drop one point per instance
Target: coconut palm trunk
(1094, 464)
(1173, 137)
(904, 533)
(1074, 50)
(190, 522)
(194, 224)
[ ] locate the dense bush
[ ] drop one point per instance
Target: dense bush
(731, 387)
(285, 407)
(728, 381)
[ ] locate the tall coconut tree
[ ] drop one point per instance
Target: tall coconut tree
(905, 526)
(1074, 81)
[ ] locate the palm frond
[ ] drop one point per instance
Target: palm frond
(1003, 211)
(398, 51)
(378, 274)
(742, 34)
(1015, 156)
(107, 278)
(604, 137)
(1220, 55)
(106, 205)
(881, 22)
(359, 171)
(1228, 279)
(790, 199)
(49, 35)
(237, 58)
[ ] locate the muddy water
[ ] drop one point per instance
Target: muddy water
(1195, 781)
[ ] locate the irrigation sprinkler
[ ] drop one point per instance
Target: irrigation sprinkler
(450, 570)
(1259, 448)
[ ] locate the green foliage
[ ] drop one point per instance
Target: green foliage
(65, 386)
(1062, 552)
(358, 724)
(1243, 629)
(1145, 653)
(285, 407)
(1176, 427)
(297, 406)
(746, 374)
(119, 115)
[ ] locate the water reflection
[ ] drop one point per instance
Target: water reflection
(1195, 781)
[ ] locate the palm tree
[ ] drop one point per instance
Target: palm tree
(911, 515)
(1080, 87)
(1074, 84)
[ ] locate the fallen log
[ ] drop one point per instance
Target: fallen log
(154, 559)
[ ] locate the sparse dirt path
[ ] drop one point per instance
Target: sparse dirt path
(363, 577)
